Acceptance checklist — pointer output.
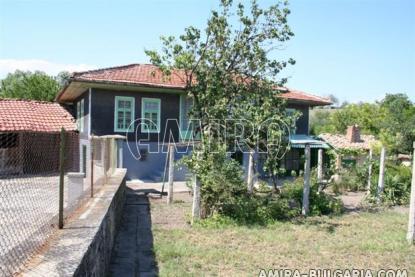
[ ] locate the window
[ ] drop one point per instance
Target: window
(150, 114)
(124, 114)
(80, 115)
(8, 140)
(293, 127)
(185, 124)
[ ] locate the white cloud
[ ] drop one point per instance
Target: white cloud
(51, 68)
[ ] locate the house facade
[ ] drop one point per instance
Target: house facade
(137, 101)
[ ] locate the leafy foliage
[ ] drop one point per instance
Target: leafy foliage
(269, 207)
(397, 188)
(29, 85)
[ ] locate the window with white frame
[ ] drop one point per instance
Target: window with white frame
(185, 124)
(124, 114)
(80, 106)
(150, 114)
(293, 127)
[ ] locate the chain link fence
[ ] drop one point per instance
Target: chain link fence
(29, 187)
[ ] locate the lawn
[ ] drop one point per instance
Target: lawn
(356, 240)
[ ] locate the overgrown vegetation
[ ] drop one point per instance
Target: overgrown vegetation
(268, 206)
(397, 189)
(392, 120)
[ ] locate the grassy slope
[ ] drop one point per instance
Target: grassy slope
(365, 240)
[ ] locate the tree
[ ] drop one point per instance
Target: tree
(28, 85)
(397, 129)
(230, 76)
(63, 78)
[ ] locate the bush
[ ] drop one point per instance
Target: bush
(221, 180)
(397, 188)
(265, 209)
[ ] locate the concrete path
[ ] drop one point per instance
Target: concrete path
(133, 251)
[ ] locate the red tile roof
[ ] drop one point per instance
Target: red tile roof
(34, 116)
(340, 141)
(141, 74)
(150, 75)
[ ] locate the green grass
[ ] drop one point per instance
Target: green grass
(365, 240)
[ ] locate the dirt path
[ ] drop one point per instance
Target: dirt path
(133, 251)
(352, 201)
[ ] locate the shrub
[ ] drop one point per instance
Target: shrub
(264, 209)
(397, 186)
(221, 180)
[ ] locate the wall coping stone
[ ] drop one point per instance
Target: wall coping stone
(83, 247)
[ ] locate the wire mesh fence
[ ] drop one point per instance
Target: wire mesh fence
(29, 187)
(29, 178)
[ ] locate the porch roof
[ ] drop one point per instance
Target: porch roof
(300, 141)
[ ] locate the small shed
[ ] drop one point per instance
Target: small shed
(29, 136)
(352, 141)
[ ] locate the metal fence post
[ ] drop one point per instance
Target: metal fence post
(61, 176)
(411, 223)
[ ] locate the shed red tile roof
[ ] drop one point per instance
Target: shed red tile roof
(34, 116)
(340, 141)
(151, 75)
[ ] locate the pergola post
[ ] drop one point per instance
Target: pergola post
(171, 174)
(306, 189)
(411, 223)
(381, 181)
(196, 200)
(250, 178)
(369, 171)
(320, 165)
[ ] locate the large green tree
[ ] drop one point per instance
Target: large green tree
(230, 74)
(29, 85)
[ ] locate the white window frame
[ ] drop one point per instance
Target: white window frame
(143, 124)
(289, 112)
(128, 128)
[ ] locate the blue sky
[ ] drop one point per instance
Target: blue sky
(357, 50)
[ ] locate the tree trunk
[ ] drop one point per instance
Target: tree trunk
(411, 224)
(306, 190)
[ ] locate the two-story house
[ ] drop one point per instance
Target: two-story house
(108, 101)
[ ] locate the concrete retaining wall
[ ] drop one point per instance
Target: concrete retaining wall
(83, 247)
(97, 259)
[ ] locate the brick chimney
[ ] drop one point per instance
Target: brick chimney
(353, 133)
